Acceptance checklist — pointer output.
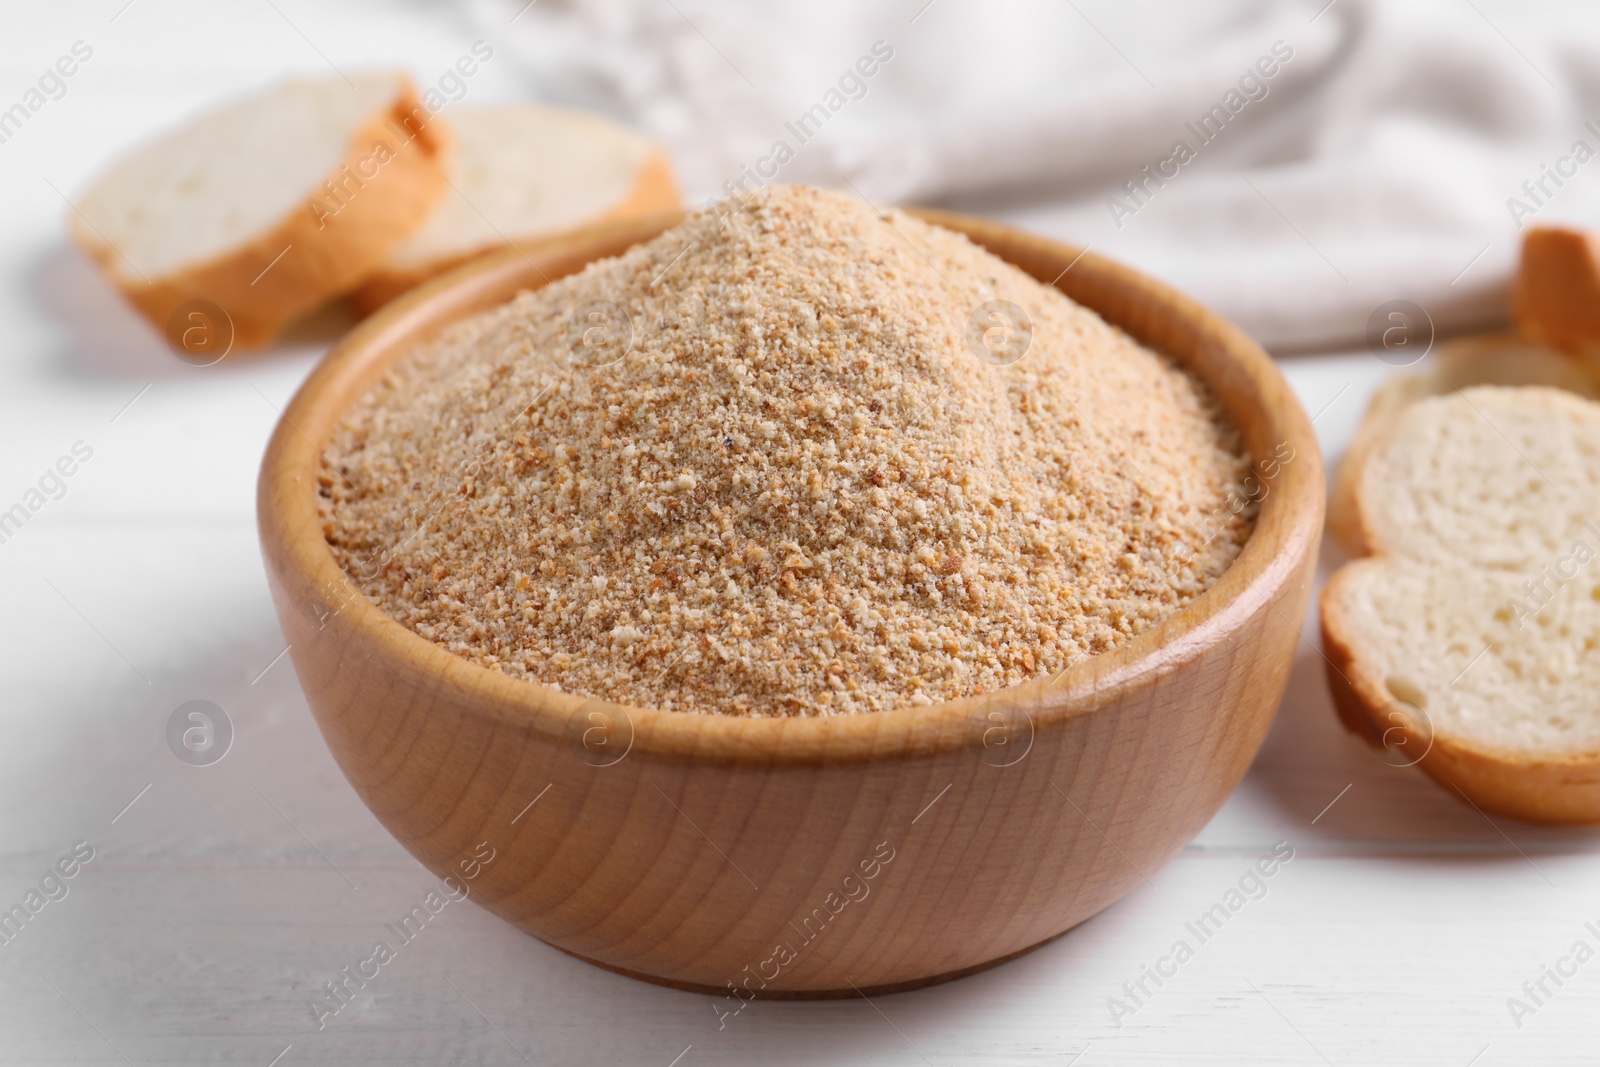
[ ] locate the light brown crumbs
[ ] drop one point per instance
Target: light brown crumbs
(798, 491)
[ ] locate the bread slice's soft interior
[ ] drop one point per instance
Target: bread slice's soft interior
(1482, 604)
(232, 175)
(522, 171)
(1489, 359)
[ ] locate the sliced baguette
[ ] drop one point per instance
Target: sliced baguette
(1435, 643)
(1556, 298)
(1488, 360)
(268, 206)
(521, 173)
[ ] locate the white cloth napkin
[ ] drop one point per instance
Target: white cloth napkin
(1379, 161)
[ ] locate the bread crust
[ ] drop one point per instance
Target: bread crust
(1344, 517)
(655, 190)
(1559, 789)
(316, 252)
(1556, 296)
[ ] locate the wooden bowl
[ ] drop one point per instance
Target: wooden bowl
(806, 856)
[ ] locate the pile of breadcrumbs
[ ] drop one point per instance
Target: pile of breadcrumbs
(768, 475)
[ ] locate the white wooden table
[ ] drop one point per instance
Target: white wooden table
(219, 896)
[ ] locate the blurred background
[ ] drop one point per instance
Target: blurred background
(1375, 162)
(1294, 165)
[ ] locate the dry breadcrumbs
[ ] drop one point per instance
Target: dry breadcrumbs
(798, 491)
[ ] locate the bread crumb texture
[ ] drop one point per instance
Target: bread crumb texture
(1483, 605)
(754, 467)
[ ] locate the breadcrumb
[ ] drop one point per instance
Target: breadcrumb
(763, 472)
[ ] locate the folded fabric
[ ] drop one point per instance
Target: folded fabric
(1293, 164)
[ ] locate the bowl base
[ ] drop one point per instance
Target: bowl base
(817, 994)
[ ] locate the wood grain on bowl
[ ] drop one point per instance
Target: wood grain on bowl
(814, 856)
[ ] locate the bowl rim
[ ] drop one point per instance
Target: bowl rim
(1288, 526)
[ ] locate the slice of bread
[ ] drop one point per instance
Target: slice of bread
(1556, 296)
(268, 206)
(521, 173)
(1470, 637)
(1487, 360)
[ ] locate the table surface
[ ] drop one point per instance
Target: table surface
(218, 897)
